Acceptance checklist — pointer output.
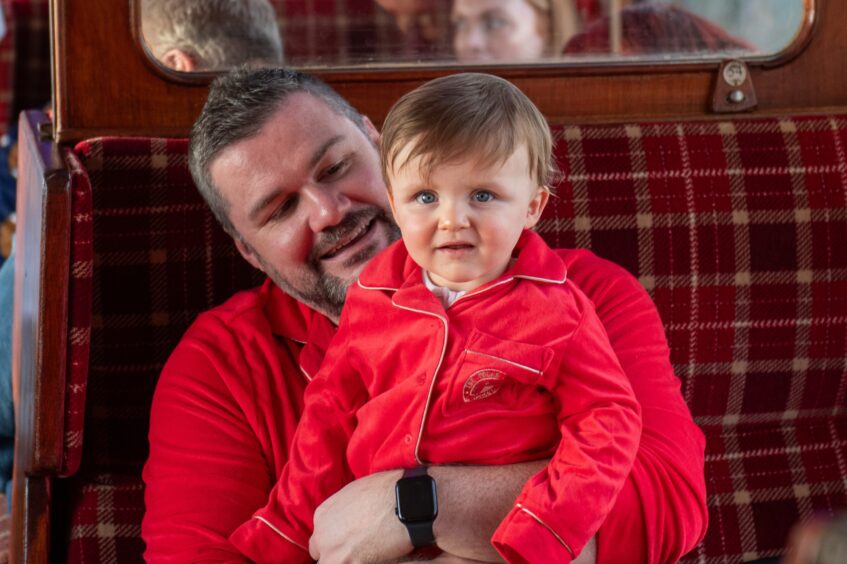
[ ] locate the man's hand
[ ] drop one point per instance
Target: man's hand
(358, 523)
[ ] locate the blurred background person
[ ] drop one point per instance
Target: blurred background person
(512, 30)
(205, 35)
(424, 26)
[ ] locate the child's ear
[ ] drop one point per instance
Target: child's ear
(536, 206)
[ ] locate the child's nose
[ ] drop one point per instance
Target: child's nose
(453, 216)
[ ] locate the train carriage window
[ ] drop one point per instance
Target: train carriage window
(381, 34)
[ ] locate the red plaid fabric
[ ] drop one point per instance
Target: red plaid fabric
(737, 229)
(79, 314)
(107, 521)
(159, 259)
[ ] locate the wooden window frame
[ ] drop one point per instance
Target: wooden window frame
(105, 84)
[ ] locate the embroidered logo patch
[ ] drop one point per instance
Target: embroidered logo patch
(482, 384)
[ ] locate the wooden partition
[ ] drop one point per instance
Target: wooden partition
(39, 341)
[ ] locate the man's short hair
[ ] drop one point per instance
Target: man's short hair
(466, 114)
(217, 34)
(240, 103)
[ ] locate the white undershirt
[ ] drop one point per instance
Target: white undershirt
(446, 295)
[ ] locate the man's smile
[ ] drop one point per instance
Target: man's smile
(348, 241)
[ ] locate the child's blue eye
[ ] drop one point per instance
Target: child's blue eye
(425, 198)
(482, 196)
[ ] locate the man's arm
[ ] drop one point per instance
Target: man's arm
(472, 501)
(207, 471)
(661, 513)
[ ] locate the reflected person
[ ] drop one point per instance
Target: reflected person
(205, 35)
(511, 30)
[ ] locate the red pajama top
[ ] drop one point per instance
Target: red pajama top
(229, 399)
(515, 370)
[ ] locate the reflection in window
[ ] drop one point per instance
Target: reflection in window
(205, 35)
(384, 33)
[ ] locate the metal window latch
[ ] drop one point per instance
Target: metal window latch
(734, 90)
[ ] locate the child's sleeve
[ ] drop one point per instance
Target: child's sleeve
(317, 465)
(563, 506)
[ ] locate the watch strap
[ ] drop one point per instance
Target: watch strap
(415, 472)
(421, 533)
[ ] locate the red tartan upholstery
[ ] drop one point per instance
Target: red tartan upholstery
(79, 314)
(159, 258)
(738, 229)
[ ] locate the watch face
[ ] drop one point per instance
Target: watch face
(416, 499)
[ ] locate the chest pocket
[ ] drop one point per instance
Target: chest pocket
(500, 375)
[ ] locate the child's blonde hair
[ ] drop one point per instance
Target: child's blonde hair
(467, 114)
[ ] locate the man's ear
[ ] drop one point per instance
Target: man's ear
(178, 60)
(536, 206)
(248, 254)
(371, 130)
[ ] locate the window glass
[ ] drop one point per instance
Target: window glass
(204, 35)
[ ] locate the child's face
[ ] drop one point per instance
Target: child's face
(463, 224)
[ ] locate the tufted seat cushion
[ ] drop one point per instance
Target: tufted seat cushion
(737, 229)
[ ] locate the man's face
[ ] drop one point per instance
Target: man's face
(307, 198)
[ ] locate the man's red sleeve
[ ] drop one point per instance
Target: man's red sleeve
(661, 513)
(211, 460)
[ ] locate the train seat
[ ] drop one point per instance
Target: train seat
(736, 228)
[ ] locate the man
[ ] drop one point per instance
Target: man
(204, 35)
(292, 173)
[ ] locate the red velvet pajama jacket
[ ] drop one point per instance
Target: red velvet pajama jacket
(515, 370)
(230, 396)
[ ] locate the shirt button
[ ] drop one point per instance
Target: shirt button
(408, 439)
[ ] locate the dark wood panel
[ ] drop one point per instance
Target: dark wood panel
(39, 334)
(105, 85)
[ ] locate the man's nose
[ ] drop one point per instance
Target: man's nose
(326, 206)
(453, 216)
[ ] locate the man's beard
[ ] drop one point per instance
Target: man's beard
(322, 291)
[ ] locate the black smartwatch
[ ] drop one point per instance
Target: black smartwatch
(417, 505)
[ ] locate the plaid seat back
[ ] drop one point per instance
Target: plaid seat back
(159, 259)
(739, 232)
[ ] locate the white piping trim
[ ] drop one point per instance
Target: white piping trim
(527, 368)
(362, 286)
(280, 533)
(546, 526)
(306, 374)
(472, 293)
(434, 375)
(548, 280)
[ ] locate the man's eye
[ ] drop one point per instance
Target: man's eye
(286, 207)
(482, 196)
(334, 170)
(425, 198)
